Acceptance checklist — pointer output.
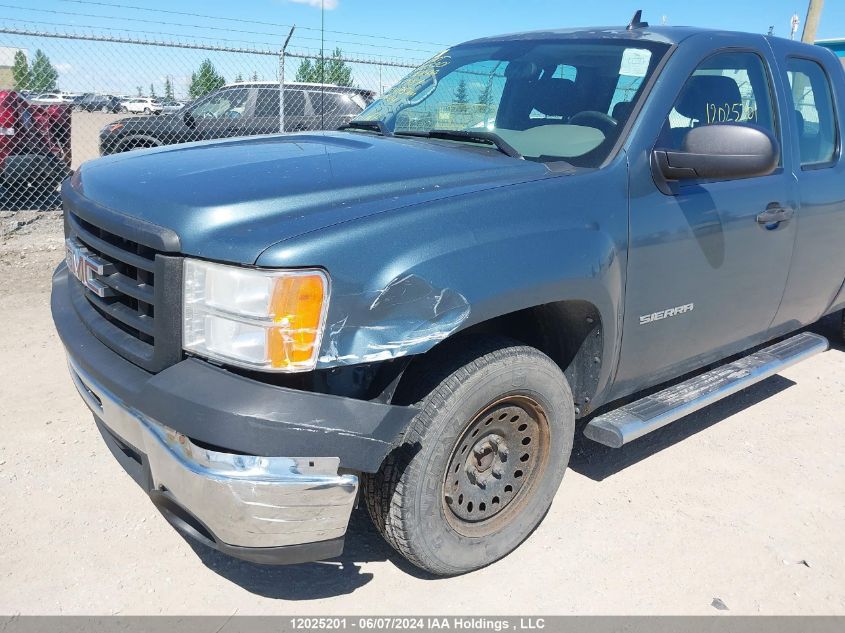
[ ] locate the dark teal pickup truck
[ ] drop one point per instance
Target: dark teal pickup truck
(599, 229)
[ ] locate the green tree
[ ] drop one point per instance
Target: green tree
(485, 97)
(460, 98)
(332, 70)
(168, 88)
(43, 76)
(239, 77)
(140, 92)
(20, 71)
(305, 72)
(255, 75)
(205, 80)
(337, 72)
(152, 91)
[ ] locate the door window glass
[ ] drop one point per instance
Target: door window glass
(222, 104)
(726, 88)
(267, 104)
(815, 117)
(333, 103)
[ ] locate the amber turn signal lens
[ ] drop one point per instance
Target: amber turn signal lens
(296, 310)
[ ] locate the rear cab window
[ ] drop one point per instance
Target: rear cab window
(816, 126)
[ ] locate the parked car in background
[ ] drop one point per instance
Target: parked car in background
(145, 105)
(91, 102)
(35, 151)
(51, 98)
(168, 106)
(240, 109)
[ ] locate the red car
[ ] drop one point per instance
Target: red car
(35, 151)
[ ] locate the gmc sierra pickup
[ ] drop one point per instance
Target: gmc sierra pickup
(512, 243)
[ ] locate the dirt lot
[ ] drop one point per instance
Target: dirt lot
(85, 134)
(744, 502)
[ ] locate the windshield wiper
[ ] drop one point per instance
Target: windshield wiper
(480, 136)
(372, 126)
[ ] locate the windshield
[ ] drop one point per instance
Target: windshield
(548, 100)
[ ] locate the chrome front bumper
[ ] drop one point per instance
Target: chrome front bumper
(238, 502)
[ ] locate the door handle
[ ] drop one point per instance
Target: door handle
(775, 214)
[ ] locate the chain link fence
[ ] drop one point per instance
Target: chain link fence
(68, 98)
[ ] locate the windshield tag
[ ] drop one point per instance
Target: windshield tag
(635, 62)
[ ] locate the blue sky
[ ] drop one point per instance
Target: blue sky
(416, 29)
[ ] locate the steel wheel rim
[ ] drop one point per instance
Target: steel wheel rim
(495, 465)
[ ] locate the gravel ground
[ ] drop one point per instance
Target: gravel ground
(85, 133)
(743, 503)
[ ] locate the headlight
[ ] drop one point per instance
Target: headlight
(260, 319)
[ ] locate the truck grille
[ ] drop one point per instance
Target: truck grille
(139, 314)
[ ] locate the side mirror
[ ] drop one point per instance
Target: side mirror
(188, 118)
(720, 151)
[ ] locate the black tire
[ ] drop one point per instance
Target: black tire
(842, 326)
(462, 390)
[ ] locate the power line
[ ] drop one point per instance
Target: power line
(106, 28)
(197, 26)
(244, 21)
(411, 62)
(195, 46)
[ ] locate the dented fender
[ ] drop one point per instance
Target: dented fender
(405, 280)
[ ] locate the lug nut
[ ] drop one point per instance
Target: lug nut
(497, 472)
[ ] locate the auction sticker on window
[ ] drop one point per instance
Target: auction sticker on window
(635, 62)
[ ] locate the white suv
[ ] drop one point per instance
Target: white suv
(147, 105)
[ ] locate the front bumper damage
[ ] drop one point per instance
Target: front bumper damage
(281, 490)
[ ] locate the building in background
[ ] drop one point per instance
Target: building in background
(837, 46)
(7, 59)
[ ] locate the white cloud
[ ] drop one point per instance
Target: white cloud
(62, 67)
(327, 4)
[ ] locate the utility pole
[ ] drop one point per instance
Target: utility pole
(811, 24)
(282, 81)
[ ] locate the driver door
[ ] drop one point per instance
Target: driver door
(223, 114)
(705, 275)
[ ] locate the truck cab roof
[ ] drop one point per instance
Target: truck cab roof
(671, 35)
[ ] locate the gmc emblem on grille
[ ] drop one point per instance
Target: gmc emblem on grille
(86, 267)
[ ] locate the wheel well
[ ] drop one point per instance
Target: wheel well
(137, 142)
(569, 332)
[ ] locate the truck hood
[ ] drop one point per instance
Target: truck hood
(230, 200)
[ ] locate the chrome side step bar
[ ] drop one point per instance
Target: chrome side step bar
(636, 419)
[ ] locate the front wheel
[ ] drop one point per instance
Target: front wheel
(482, 460)
(147, 111)
(842, 326)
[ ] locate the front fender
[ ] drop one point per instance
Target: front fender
(404, 280)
